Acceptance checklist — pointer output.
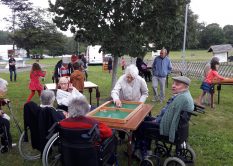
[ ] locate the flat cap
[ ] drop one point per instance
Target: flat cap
(182, 79)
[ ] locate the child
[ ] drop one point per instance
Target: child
(207, 84)
(34, 84)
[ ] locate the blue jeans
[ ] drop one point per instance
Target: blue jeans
(11, 73)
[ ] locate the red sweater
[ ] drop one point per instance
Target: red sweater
(213, 74)
(83, 122)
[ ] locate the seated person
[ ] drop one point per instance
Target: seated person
(78, 108)
(4, 119)
(168, 119)
(65, 93)
(77, 77)
(47, 99)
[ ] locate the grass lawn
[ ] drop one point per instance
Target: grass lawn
(210, 136)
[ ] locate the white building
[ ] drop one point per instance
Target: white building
(221, 51)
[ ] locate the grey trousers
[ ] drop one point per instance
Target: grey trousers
(161, 81)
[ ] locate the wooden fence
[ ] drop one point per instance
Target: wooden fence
(195, 69)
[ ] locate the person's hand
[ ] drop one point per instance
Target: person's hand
(1, 112)
(118, 103)
(65, 114)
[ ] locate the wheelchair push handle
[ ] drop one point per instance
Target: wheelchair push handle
(199, 108)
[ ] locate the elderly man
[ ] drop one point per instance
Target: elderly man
(161, 67)
(168, 119)
(130, 86)
(6, 139)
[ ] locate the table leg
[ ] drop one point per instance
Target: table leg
(219, 89)
(167, 81)
(97, 96)
(90, 91)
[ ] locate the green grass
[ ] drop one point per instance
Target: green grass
(210, 136)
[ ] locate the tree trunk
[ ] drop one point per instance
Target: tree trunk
(114, 71)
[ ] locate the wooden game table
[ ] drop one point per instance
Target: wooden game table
(219, 84)
(87, 85)
(128, 126)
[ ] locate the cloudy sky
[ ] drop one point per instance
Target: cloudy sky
(209, 11)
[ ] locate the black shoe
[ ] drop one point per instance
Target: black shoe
(4, 149)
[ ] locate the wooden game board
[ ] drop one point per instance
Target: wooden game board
(107, 112)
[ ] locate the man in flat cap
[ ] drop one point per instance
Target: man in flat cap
(168, 119)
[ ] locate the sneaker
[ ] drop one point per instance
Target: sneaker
(14, 145)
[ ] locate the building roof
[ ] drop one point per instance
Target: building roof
(220, 48)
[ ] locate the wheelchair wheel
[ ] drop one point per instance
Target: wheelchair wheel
(51, 155)
(25, 148)
(146, 162)
(187, 155)
(173, 161)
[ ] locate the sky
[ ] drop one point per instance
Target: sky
(209, 11)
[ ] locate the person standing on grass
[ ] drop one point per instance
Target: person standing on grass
(110, 65)
(123, 63)
(207, 85)
(12, 67)
(35, 85)
(161, 67)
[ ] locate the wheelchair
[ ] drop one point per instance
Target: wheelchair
(71, 147)
(37, 121)
(169, 153)
(5, 139)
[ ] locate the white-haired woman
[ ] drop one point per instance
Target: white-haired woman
(6, 140)
(130, 86)
(77, 109)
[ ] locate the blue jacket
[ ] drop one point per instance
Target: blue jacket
(161, 67)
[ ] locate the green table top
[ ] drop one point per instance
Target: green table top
(112, 114)
(127, 106)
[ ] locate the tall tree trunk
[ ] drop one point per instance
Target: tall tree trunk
(114, 71)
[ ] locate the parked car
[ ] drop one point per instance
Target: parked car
(37, 56)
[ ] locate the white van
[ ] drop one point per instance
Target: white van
(93, 55)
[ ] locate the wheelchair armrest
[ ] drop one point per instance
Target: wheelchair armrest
(52, 130)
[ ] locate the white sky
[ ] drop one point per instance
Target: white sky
(209, 11)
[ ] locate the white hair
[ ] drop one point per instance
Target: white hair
(78, 107)
(47, 97)
(132, 70)
(3, 85)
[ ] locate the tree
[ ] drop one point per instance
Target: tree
(121, 26)
(5, 37)
(228, 33)
(211, 35)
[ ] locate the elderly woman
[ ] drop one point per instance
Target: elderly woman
(4, 118)
(47, 99)
(76, 118)
(130, 86)
(65, 93)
